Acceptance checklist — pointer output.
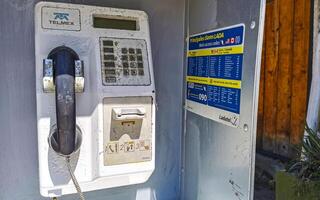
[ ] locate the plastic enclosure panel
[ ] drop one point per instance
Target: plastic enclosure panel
(71, 25)
(220, 159)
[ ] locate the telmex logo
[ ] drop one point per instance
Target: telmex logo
(61, 16)
(61, 19)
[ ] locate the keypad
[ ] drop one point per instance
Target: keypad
(122, 61)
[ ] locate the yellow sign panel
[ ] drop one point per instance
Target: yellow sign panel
(216, 51)
(215, 81)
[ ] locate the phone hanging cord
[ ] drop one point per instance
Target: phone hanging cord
(74, 180)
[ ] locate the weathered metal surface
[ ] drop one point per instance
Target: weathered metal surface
(219, 160)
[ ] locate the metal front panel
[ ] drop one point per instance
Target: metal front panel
(219, 159)
(127, 130)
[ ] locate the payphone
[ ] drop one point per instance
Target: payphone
(95, 97)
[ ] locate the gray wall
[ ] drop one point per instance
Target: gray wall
(18, 143)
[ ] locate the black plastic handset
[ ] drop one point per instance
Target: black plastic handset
(64, 78)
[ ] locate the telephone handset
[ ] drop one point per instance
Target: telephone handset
(63, 60)
(64, 139)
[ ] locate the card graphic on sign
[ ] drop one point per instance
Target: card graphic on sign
(214, 74)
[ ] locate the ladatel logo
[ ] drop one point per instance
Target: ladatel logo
(60, 18)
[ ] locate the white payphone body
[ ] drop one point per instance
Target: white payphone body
(115, 99)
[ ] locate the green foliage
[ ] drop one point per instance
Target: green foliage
(307, 166)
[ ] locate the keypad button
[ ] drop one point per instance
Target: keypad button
(124, 50)
(107, 43)
(133, 65)
(109, 64)
(108, 50)
(133, 72)
(141, 72)
(139, 51)
(110, 72)
(131, 50)
(132, 58)
(110, 79)
(139, 58)
(125, 65)
(126, 72)
(124, 58)
(109, 57)
(140, 65)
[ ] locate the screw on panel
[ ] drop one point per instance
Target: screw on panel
(245, 127)
(253, 25)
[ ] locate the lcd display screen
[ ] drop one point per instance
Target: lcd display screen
(122, 24)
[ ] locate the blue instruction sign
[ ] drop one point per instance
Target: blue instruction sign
(214, 74)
